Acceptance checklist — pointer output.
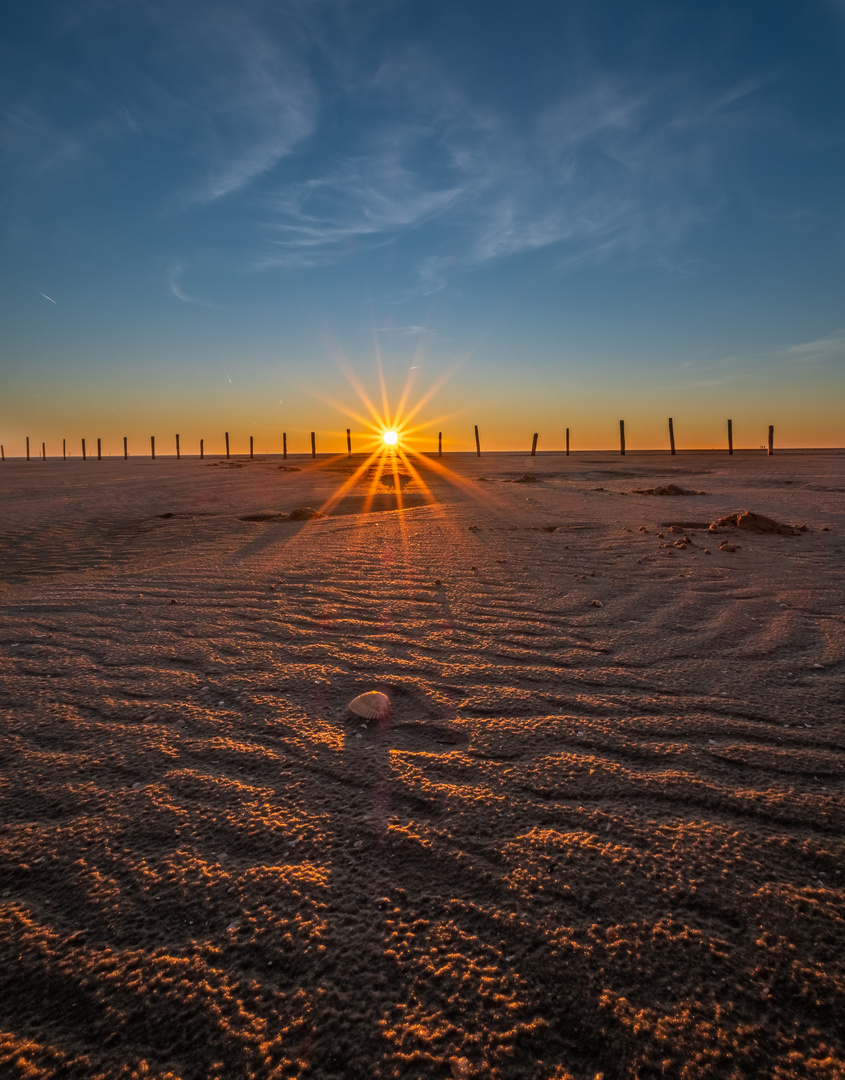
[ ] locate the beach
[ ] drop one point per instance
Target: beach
(601, 831)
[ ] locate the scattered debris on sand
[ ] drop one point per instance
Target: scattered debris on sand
(667, 489)
(526, 478)
(757, 523)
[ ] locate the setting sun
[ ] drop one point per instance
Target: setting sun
(390, 438)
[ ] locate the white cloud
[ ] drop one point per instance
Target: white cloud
(614, 169)
(174, 283)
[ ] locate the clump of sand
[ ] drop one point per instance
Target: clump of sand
(757, 523)
(667, 489)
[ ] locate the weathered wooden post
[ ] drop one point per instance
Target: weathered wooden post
(153, 447)
(313, 445)
(622, 437)
(84, 458)
(125, 448)
(99, 450)
(178, 453)
(227, 444)
(567, 442)
(349, 442)
(534, 445)
(284, 446)
(2, 453)
(64, 449)
(250, 448)
(27, 448)
(771, 439)
(730, 436)
(440, 444)
(202, 450)
(671, 436)
(43, 452)
(477, 443)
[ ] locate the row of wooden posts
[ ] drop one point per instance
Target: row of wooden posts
(771, 445)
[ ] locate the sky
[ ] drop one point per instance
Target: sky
(530, 216)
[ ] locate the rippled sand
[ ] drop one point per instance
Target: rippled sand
(593, 838)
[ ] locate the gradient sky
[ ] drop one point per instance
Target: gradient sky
(578, 212)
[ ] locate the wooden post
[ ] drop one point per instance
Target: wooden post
(313, 445)
(440, 444)
(99, 450)
(477, 443)
(250, 448)
(43, 452)
(534, 445)
(2, 453)
(671, 436)
(125, 449)
(27, 448)
(349, 442)
(284, 446)
(622, 437)
(771, 439)
(567, 442)
(153, 447)
(64, 449)
(730, 436)
(202, 454)
(178, 454)
(83, 451)
(227, 444)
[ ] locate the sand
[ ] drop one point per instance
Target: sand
(600, 833)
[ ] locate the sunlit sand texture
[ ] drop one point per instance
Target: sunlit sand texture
(598, 832)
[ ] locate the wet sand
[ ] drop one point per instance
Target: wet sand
(601, 831)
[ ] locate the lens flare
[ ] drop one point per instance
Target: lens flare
(390, 438)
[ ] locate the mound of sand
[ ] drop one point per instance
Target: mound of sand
(667, 489)
(304, 513)
(757, 523)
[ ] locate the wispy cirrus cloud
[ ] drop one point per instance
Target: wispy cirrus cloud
(820, 351)
(174, 284)
(255, 101)
(612, 169)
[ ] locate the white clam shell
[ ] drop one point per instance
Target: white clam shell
(372, 705)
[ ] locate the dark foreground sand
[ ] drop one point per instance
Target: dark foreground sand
(591, 840)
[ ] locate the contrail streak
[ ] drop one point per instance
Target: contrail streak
(46, 297)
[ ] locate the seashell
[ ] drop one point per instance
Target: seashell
(372, 705)
(459, 1067)
(598, 603)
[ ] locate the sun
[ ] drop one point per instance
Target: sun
(390, 438)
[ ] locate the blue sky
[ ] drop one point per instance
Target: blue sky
(583, 211)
